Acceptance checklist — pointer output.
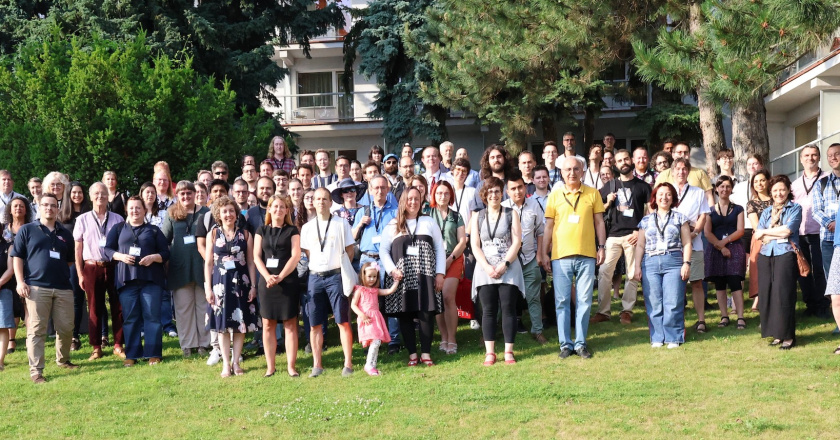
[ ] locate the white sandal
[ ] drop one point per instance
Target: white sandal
(443, 345)
(453, 348)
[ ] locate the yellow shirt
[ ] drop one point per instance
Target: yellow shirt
(696, 177)
(570, 237)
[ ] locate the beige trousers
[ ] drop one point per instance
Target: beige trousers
(190, 314)
(615, 247)
(45, 303)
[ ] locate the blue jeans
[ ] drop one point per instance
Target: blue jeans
(827, 248)
(166, 312)
(141, 304)
(566, 271)
(664, 297)
(393, 323)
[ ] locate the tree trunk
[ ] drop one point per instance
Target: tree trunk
(711, 124)
(749, 133)
(588, 129)
(549, 129)
(515, 141)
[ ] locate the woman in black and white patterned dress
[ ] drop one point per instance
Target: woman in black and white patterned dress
(412, 252)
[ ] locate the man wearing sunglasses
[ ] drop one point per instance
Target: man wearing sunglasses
(220, 170)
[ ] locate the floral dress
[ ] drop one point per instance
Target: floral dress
(231, 285)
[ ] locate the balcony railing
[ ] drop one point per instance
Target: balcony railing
(788, 163)
(331, 108)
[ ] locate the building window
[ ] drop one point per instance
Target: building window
(315, 83)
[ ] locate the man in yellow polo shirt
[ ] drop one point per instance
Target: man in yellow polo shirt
(574, 217)
(696, 177)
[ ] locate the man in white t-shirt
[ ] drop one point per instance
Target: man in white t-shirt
(694, 205)
(321, 239)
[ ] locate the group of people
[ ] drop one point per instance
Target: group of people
(209, 262)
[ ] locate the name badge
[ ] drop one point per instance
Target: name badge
(134, 251)
(491, 250)
(55, 255)
(413, 251)
(574, 218)
(189, 239)
(628, 212)
(272, 263)
(102, 242)
(661, 246)
(230, 265)
(376, 240)
(831, 207)
(234, 249)
(781, 241)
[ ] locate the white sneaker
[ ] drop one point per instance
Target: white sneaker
(673, 345)
(215, 357)
(474, 324)
(173, 334)
(657, 345)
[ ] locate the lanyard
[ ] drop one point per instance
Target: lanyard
(49, 233)
(728, 209)
(134, 233)
(685, 193)
(574, 207)
(459, 199)
(836, 192)
(227, 242)
(416, 225)
(487, 219)
(104, 223)
(191, 220)
(542, 208)
(808, 190)
(436, 215)
(662, 230)
(323, 240)
(377, 219)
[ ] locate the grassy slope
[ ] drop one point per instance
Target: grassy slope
(722, 384)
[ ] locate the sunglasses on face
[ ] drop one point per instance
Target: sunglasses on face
(348, 191)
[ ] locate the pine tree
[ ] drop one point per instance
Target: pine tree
(377, 41)
(733, 52)
(512, 62)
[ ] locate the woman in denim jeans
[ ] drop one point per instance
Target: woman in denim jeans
(778, 231)
(663, 253)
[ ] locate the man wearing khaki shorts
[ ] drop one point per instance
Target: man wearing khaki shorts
(694, 205)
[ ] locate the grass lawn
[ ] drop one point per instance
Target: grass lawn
(724, 384)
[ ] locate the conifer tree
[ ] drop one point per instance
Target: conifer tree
(732, 52)
(377, 42)
(512, 62)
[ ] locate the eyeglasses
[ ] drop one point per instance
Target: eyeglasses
(220, 173)
(493, 191)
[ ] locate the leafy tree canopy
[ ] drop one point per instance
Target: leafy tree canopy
(86, 106)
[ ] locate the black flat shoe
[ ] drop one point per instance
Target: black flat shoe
(269, 374)
(788, 346)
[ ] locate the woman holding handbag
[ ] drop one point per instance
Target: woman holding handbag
(759, 201)
(778, 232)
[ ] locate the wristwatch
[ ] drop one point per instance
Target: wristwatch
(600, 246)
(687, 262)
(507, 263)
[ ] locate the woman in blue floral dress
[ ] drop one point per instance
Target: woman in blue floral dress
(228, 272)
